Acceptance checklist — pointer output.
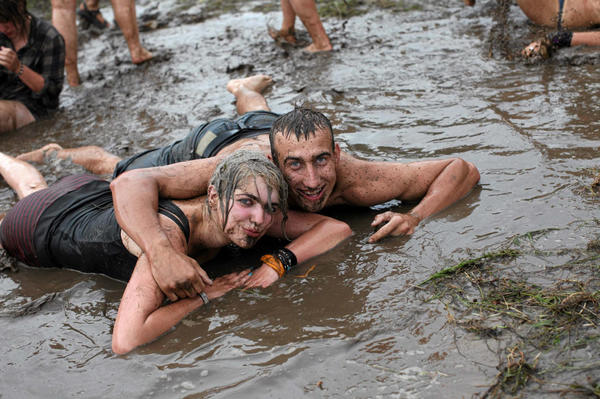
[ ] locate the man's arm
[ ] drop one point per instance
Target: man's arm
(135, 198)
(437, 184)
(312, 235)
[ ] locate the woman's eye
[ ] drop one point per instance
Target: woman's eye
(245, 201)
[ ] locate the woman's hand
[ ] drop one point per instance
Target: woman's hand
(226, 283)
(9, 59)
(262, 277)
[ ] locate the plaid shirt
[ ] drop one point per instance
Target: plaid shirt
(45, 54)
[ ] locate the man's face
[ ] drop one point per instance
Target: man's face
(309, 167)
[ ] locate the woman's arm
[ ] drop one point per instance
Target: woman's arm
(312, 235)
(10, 60)
(142, 319)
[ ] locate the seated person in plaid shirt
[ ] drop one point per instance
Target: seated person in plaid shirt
(32, 58)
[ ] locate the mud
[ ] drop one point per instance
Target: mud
(406, 81)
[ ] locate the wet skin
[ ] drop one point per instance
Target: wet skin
(308, 168)
(252, 212)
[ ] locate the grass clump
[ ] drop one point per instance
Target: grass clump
(552, 318)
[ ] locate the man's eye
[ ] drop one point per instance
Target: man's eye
(321, 160)
(294, 164)
(272, 209)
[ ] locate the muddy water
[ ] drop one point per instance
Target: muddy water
(432, 81)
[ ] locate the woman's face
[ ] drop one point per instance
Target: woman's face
(250, 215)
(8, 28)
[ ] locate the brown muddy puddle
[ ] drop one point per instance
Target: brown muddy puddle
(432, 81)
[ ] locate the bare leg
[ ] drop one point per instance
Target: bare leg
(94, 159)
(127, 21)
(248, 93)
(63, 19)
(287, 31)
(13, 115)
(307, 12)
(21, 176)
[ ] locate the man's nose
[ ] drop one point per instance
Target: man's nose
(311, 180)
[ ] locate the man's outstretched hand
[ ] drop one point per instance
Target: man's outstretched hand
(394, 224)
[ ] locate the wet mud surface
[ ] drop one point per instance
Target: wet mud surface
(411, 82)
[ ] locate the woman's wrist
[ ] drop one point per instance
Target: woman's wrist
(20, 69)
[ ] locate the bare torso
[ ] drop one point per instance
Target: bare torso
(576, 13)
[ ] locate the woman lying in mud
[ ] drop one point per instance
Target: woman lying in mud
(72, 224)
(32, 57)
(564, 15)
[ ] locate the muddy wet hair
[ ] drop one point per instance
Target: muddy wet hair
(303, 122)
(236, 169)
(14, 11)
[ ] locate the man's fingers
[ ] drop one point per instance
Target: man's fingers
(172, 296)
(382, 217)
(198, 286)
(382, 232)
(204, 276)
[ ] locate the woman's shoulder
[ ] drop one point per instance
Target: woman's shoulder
(44, 30)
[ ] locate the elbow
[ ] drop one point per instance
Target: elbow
(342, 229)
(122, 345)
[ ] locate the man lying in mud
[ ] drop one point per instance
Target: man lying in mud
(301, 144)
(564, 15)
(72, 224)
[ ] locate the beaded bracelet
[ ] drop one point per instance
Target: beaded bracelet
(21, 70)
(287, 258)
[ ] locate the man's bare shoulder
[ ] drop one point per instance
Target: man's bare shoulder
(365, 183)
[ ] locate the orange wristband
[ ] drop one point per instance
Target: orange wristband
(274, 264)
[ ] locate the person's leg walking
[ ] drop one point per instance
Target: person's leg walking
(63, 19)
(307, 12)
(126, 19)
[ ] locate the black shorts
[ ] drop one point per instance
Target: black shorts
(76, 228)
(17, 231)
(202, 142)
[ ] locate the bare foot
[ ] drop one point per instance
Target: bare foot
(40, 154)
(283, 35)
(140, 56)
(313, 48)
(255, 83)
